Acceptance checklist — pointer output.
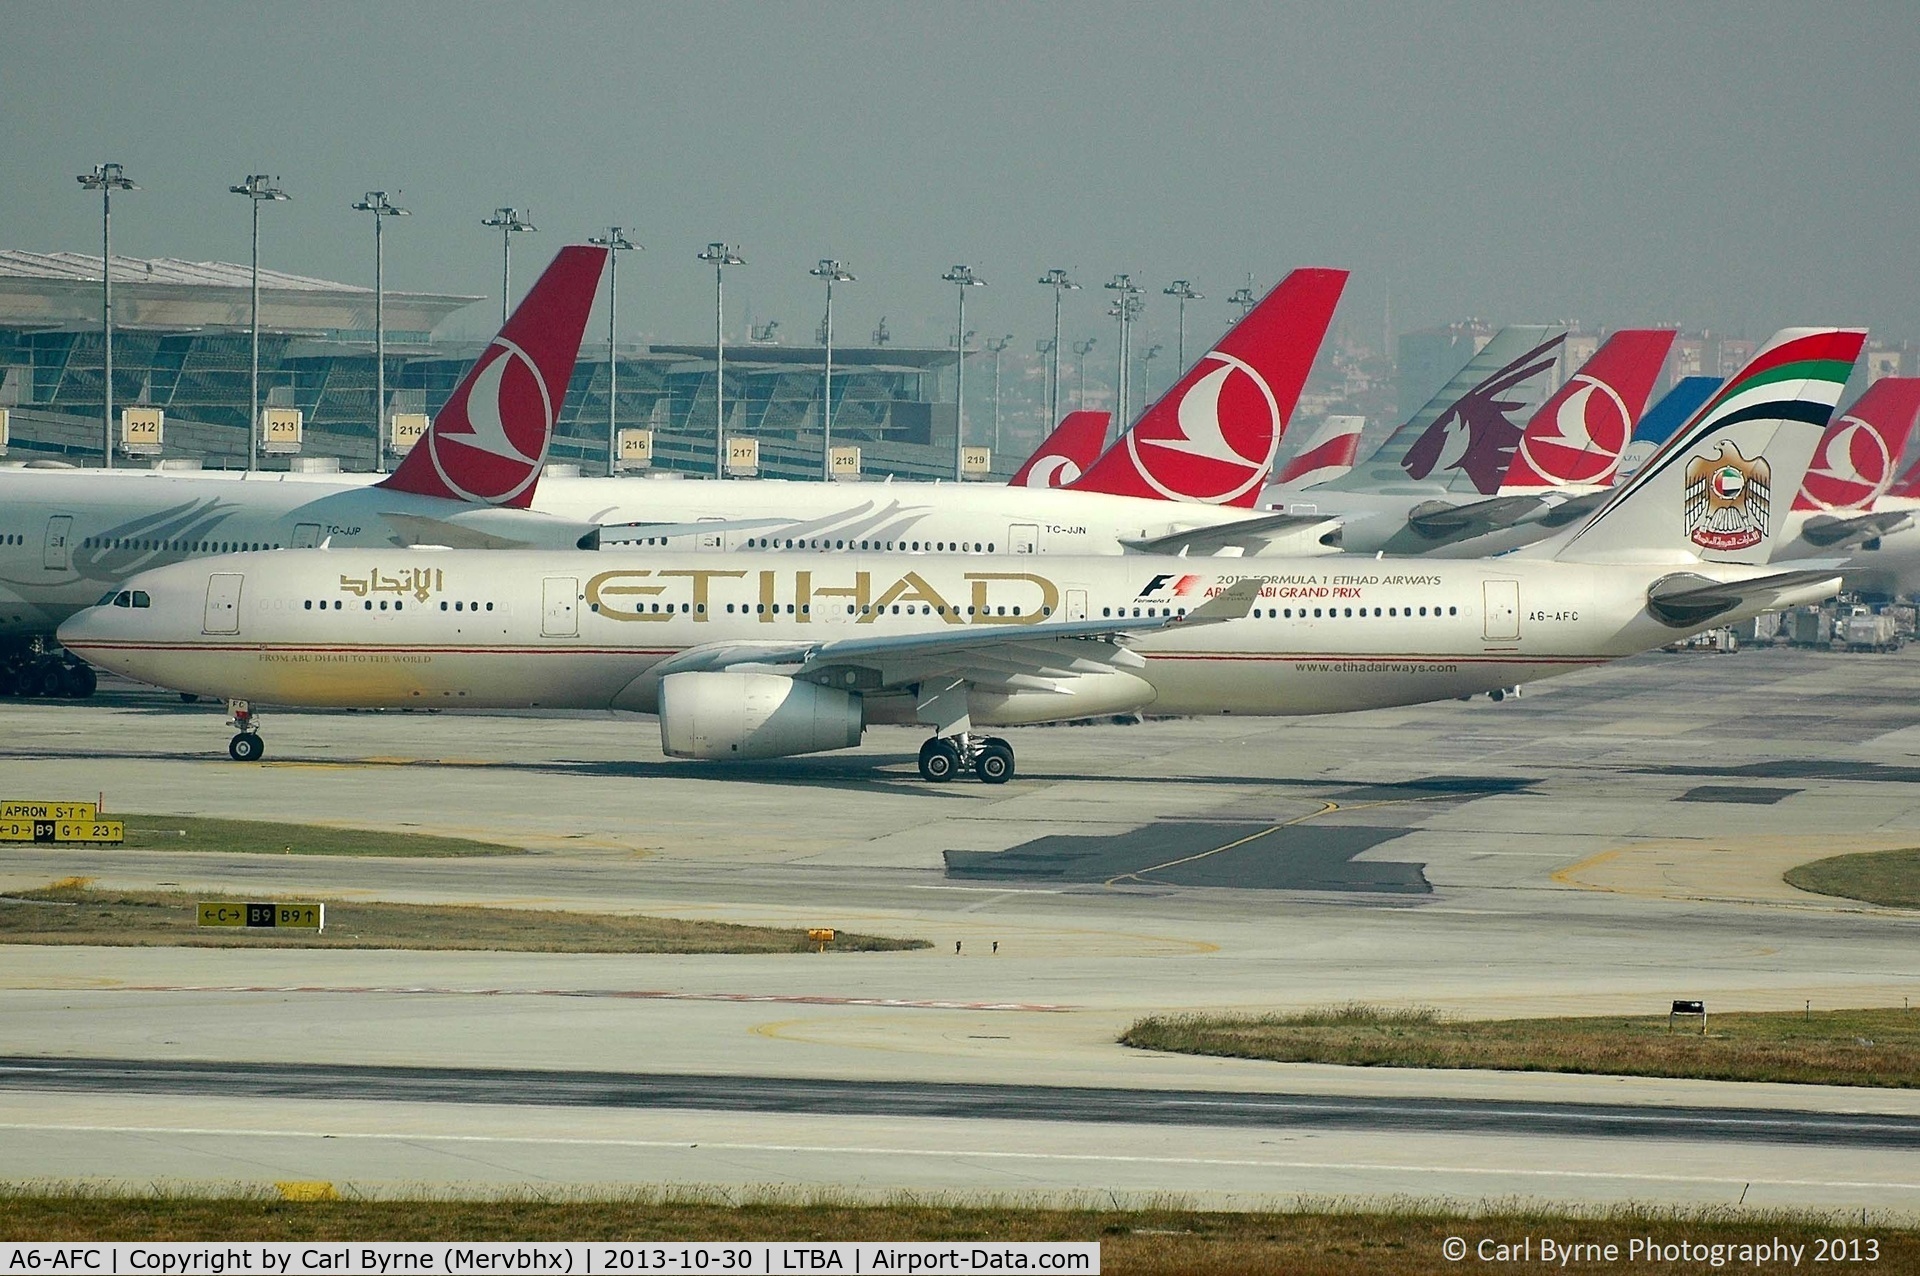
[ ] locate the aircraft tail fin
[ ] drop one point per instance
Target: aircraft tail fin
(1861, 452)
(1068, 452)
(1662, 419)
(1577, 437)
(1326, 455)
(487, 445)
(1211, 439)
(1708, 493)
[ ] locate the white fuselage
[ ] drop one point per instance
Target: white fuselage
(511, 629)
(67, 536)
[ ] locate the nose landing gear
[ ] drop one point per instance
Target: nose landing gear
(944, 757)
(247, 746)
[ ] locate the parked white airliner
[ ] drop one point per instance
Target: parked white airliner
(743, 656)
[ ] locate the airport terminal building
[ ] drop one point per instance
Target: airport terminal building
(181, 344)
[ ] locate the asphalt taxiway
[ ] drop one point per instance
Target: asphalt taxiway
(1601, 845)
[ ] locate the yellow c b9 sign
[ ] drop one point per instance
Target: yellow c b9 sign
(266, 916)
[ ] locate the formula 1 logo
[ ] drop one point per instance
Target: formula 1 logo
(1583, 440)
(1169, 584)
(1851, 470)
(488, 446)
(1728, 500)
(1219, 444)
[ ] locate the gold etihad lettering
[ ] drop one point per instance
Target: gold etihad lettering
(422, 582)
(998, 598)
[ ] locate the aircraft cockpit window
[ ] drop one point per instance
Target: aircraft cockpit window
(114, 598)
(141, 598)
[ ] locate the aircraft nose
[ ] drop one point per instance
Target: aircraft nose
(78, 628)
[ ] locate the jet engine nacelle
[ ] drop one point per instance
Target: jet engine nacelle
(753, 715)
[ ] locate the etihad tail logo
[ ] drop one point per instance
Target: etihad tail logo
(1728, 500)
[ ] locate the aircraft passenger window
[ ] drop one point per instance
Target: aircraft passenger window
(459, 606)
(1183, 611)
(383, 604)
(759, 609)
(368, 604)
(1316, 613)
(141, 599)
(849, 609)
(308, 606)
(805, 608)
(896, 609)
(729, 609)
(1016, 611)
(1106, 611)
(839, 544)
(336, 604)
(399, 603)
(864, 609)
(989, 547)
(1289, 613)
(489, 606)
(701, 608)
(1453, 611)
(789, 609)
(443, 604)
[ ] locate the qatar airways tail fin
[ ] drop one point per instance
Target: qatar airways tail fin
(487, 444)
(1068, 453)
(1861, 453)
(1465, 435)
(1709, 493)
(1577, 437)
(1327, 454)
(1212, 437)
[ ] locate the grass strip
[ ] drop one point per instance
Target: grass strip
(1891, 878)
(1395, 1241)
(72, 912)
(1828, 1047)
(266, 837)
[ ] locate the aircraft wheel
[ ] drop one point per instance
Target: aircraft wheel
(995, 763)
(246, 747)
(187, 697)
(939, 760)
(51, 679)
(78, 682)
(1497, 694)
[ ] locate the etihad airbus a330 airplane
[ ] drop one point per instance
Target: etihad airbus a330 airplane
(750, 656)
(67, 535)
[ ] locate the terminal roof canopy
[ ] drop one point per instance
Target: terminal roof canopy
(62, 290)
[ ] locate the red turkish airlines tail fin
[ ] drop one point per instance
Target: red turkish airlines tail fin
(1068, 452)
(1327, 455)
(1212, 437)
(487, 444)
(1860, 455)
(1577, 437)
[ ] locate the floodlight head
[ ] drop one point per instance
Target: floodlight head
(718, 255)
(260, 186)
(1057, 279)
(1185, 291)
(377, 203)
(614, 241)
(508, 221)
(964, 276)
(831, 271)
(106, 177)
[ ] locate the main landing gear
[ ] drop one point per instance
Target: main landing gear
(247, 746)
(944, 757)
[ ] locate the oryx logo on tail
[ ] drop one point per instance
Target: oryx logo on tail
(1477, 435)
(489, 441)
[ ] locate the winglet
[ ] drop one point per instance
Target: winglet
(1231, 603)
(487, 444)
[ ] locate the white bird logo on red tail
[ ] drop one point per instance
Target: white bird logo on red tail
(1232, 397)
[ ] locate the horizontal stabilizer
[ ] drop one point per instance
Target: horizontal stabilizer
(1686, 600)
(1850, 533)
(1439, 519)
(1249, 535)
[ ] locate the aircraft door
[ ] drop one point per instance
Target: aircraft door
(223, 603)
(716, 539)
(1023, 538)
(1502, 614)
(59, 554)
(558, 617)
(306, 535)
(1076, 604)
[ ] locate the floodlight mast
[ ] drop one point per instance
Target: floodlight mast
(1184, 291)
(107, 178)
(720, 256)
(1080, 349)
(1126, 308)
(997, 346)
(377, 203)
(831, 272)
(615, 243)
(259, 188)
(509, 223)
(1057, 280)
(963, 278)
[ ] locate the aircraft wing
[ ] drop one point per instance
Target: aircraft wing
(1012, 656)
(1440, 519)
(633, 533)
(1685, 600)
(535, 531)
(1851, 533)
(1248, 535)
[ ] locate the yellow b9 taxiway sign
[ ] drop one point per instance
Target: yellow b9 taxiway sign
(62, 831)
(262, 916)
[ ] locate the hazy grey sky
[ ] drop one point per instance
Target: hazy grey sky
(1737, 166)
